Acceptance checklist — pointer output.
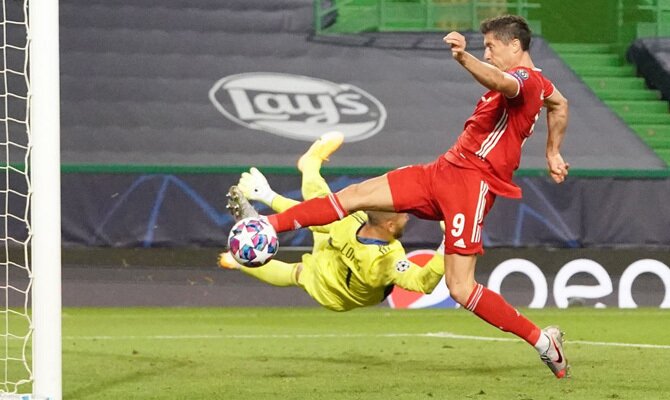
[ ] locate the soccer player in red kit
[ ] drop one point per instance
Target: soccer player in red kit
(462, 184)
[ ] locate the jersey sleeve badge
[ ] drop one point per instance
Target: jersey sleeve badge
(402, 266)
(521, 74)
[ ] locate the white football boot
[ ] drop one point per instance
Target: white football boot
(554, 357)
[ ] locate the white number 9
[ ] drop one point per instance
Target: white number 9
(459, 224)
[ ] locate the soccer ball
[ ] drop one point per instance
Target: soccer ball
(253, 242)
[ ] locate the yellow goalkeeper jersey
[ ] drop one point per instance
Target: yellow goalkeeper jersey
(345, 271)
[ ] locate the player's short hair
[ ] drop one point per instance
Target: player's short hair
(378, 217)
(507, 28)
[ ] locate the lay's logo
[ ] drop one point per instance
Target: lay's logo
(298, 107)
(401, 298)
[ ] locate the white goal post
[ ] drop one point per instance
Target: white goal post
(45, 199)
(31, 312)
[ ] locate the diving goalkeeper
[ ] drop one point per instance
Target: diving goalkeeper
(356, 261)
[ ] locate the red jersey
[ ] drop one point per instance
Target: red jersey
(493, 136)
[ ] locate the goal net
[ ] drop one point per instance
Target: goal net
(29, 193)
(16, 326)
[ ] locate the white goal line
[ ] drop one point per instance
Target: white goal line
(444, 335)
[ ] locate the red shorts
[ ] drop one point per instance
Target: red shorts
(443, 191)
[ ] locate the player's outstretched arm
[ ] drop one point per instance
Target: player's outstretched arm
(557, 123)
(489, 76)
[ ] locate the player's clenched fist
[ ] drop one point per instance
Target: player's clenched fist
(558, 169)
(457, 43)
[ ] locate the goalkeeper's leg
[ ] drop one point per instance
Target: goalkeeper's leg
(313, 184)
(275, 272)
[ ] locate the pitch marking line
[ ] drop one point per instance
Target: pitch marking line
(445, 335)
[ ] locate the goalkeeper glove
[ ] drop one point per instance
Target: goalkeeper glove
(255, 186)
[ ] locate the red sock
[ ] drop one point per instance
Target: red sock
(492, 308)
(313, 212)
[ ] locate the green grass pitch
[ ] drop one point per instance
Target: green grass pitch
(376, 353)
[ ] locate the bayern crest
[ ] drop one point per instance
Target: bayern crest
(297, 106)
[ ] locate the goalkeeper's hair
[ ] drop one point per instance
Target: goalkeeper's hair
(507, 28)
(377, 218)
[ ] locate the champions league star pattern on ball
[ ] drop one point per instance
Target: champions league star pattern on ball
(253, 242)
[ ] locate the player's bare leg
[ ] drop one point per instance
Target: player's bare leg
(459, 272)
(373, 194)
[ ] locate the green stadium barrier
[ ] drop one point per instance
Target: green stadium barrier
(355, 16)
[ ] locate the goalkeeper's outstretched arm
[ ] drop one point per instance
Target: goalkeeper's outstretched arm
(422, 279)
(254, 185)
